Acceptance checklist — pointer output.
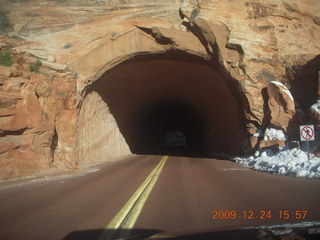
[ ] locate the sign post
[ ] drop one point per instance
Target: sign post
(306, 135)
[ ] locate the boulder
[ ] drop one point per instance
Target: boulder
(273, 139)
(315, 114)
(281, 105)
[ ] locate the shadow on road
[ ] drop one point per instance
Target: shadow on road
(104, 234)
(276, 232)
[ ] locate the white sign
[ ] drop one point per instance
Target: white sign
(306, 133)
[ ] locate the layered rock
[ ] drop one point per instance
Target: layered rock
(33, 108)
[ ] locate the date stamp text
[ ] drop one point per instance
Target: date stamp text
(261, 214)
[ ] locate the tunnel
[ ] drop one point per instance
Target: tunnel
(168, 126)
(164, 104)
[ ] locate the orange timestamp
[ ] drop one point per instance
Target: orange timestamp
(261, 214)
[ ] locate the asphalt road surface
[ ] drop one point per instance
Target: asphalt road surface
(186, 195)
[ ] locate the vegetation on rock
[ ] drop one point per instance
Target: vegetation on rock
(5, 24)
(34, 67)
(6, 58)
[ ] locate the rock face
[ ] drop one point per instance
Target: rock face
(315, 108)
(281, 105)
(232, 69)
(92, 145)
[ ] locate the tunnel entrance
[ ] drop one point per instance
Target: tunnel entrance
(168, 127)
(162, 104)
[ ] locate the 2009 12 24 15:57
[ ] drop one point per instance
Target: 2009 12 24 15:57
(261, 214)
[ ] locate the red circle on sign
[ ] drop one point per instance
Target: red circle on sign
(305, 134)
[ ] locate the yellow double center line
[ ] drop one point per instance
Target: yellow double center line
(120, 225)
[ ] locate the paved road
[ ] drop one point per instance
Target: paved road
(183, 199)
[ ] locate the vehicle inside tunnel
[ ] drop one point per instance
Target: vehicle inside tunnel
(162, 104)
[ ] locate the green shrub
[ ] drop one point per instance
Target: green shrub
(34, 67)
(67, 45)
(5, 24)
(6, 58)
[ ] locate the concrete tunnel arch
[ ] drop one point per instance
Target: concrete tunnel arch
(132, 107)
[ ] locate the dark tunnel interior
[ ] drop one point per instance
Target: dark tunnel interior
(169, 127)
(173, 106)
